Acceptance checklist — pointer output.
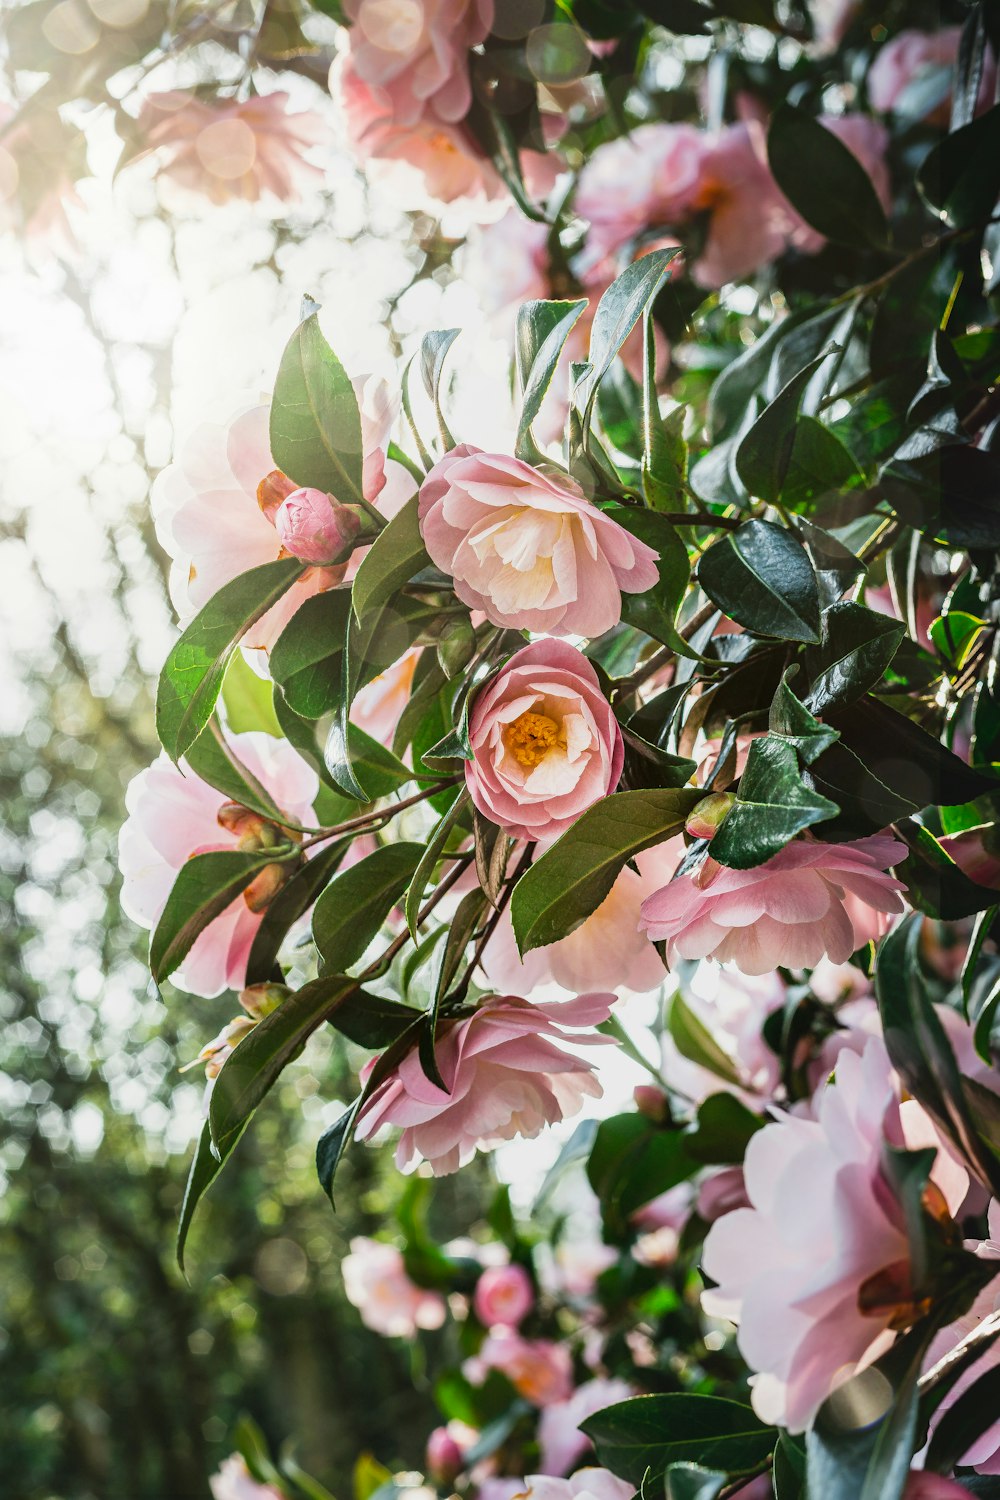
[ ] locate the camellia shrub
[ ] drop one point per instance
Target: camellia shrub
(690, 687)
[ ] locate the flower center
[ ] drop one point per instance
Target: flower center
(531, 736)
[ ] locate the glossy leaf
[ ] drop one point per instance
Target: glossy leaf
(789, 720)
(396, 554)
(823, 180)
(649, 1433)
(541, 334)
(773, 804)
(430, 855)
(765, 451)
(205, 886)
(656, 610)
(618, 311)
(760, 575)
(351, 911)
(291, 903)
(960, 176)
(205, 1168)
(855, 650)
(434, 349)
(315, 422)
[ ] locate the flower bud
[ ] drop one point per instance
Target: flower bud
(215, 1052)
(315, 528)
(705, 818)
(651, 1102)
(272, 490)
(258, 1000)
(266, 884)
(444, 1457)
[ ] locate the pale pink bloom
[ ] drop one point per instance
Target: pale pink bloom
(922, 1485)
(669, 1210)
(376, 1283)
(504, 1295)
(831, 20)
(651, 176)
(505, 1074)
(585, 1484)
(721, 1192)
(538, 1369)
(506, 264)
(733, 1008)
(809, 901)
(528, 549)
(311, 528)
(225, 149)
(220, 1048)
(416, 53)
(211, 523)
(607, 949)
(37, 190)
(971, 851)
(545, 742)
(576, 1265)
(561, 1442)
(868, 141)
(235, 1482)
(749, 219)
(503, 1488)
(824, 1233)
(173, 814)
(378, 707)
(835, 983)
(912, 58)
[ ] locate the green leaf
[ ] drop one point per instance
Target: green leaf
(396, 554)
(431, 853)
(315, 422)
(721, 1131)
(213, 758)
(649, 1433)
(791, 721)
(955, 634)
(772, 806)
(291, 902)
(205, 1168)
(656, 610)
(820, 465)
(351, 911)
(618, 311)
(823, 180)
(205, 886)
(373, 1021)
(542, 331)
(694, 1041)
(760, 575)
(434, 349)
(331, 1146)
(960, 177)
(313, 639)
(765, 451)
(193, 673)
(692, 1482)
(631, 1163)
(247, 699)
(571, 879)
(253, 1067)
(852, 656)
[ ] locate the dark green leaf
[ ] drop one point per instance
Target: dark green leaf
(204, 887)
(291, 902)
(351, 911)
(655, 611)
(213, 758)
(964, 1421)
(790, 720)
(692, 1482)
(960, 177)
(772, 805)
(205, 1168)
(765, 451)
(618, 311)
(820, 465)
(853, 655)
(760, 575)
(542, 331)
(315, 422)
(431, 853)
(649, 1433)
(396, 554)
(823, 180)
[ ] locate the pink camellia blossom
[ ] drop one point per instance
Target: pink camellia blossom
(911, 59)
(809, 901)
(923, 1485)
(315, 529)
(173, 814)
(651, 176)
(244, 149)
(560, 1440)
(976, 851)
(607, 949)
(506, 264)
(816, 1272)
(446, 1450)
(545, 742)
(506, 1076)
(376, 1283)
(748, 222)
(585, 1484)
(539, 1370)
(216, 507)
(415, 53)
(503, 1296)
(529, 550)
(235, 1482)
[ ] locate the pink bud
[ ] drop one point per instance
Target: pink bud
(316, 529)
(444, 1457)
(976, 851)
(504, 1295)
(922, 1485)
(705, 818)
(651, 1102)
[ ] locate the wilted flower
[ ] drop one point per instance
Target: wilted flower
(173, 814)
(809, 901)
(545, 742)
(505, 1075)
(504, 1295)
(530, 551)
(376, 1283)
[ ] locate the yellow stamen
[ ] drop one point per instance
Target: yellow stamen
(532, 736)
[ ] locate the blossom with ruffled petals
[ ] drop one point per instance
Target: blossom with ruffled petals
(809, 901)
(505, 1074)
(376, 1283)
(414, 53)
(504, 1295)
(539, 1370)
(560, 1440)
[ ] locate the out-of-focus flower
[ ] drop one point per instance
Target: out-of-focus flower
(506, 264)
(539, 1370)
(560, 1440)
(529, 550)
(378, 707)
(225, 149)
(216, 505)
(733, 1008)
(608, 949)
(901, 77)
(816, 1273)
(505, 1074)
(585, 1484)
(173, 814)
(976, 851)
(415, 54)
(831, 20)
(446, 1450)
(40, 157)
(748, 221)
(316, 529)
(576, 1264)
(503, 1296)
(376, 1283)
(546, 744)
(923, 1485)
(810, 900)
(235, 1482)
(651, 176)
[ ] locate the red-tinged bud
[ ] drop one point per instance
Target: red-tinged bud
(444, 1457)
(259, 1000)
(272, 490)
(976, 851)
(705, 818)
(215, 1052)
(267, 883)
(317, 529)
(651, 1102)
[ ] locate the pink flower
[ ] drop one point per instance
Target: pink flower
(529, 550)
(585, 1484)
(378, 707)
(173, 814)
(923, 1485)
(868, 141)
(651, 176)
(815, 1272)
(976, 851)
(217, 519)
(733, 1007)
(376, 1283)
(506, 1076)
(809, 901)
(506, 263)
(314, 528)
(576, 1265)
(546, 743)
(235, 1482)
(504, 1295)
(749, 219)
(39, 155)
(898, 78)
(561, 1442)
(446, 1449)
(539, 1370)
(229, 149)
(607, 949)
(415, 53)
